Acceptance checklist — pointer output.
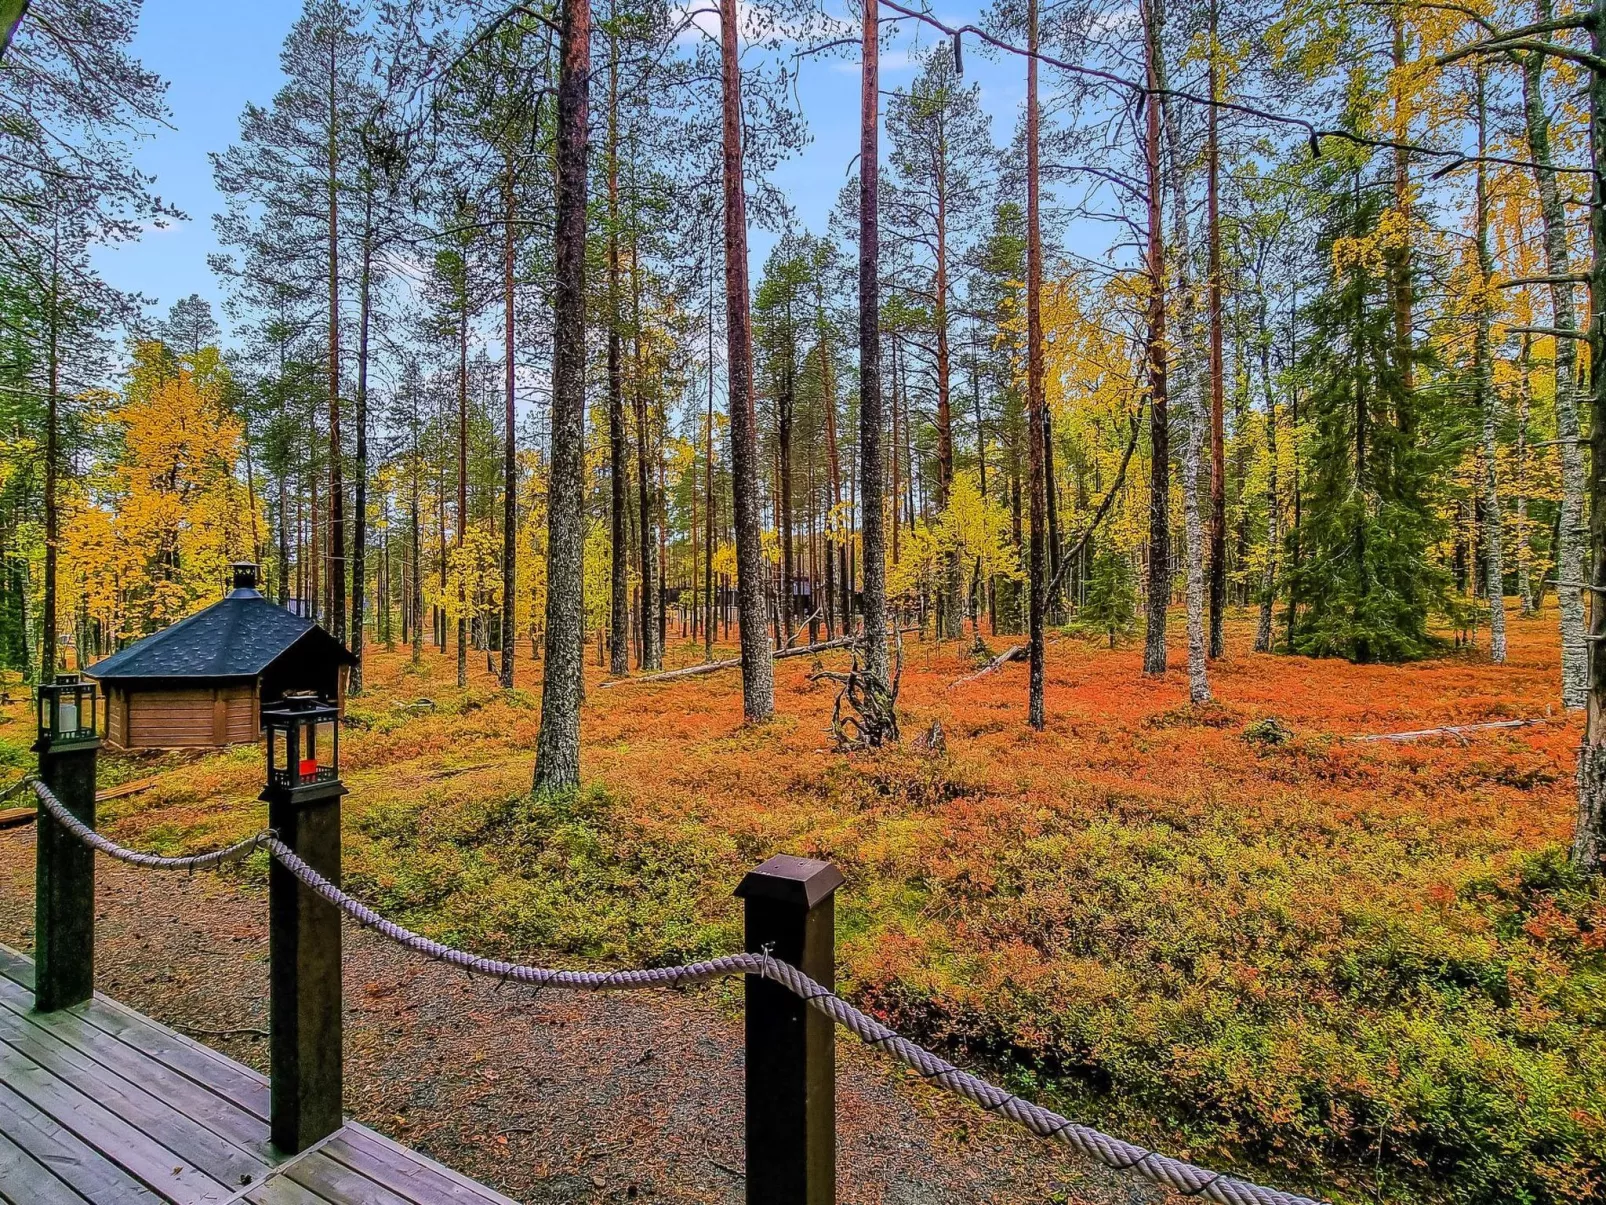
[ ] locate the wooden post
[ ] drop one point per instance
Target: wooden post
(305, 1023)
(791, 1048)
(64, 919)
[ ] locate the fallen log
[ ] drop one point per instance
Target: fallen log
(1455, 730)
(709, 667)
(1013, 653)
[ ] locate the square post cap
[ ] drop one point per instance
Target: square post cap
(790, 880)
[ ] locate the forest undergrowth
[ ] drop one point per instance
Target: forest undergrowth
(1362, 968)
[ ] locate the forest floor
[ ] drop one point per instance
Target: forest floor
(1359, 968)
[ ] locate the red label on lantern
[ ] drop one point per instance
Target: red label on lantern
(309, 767)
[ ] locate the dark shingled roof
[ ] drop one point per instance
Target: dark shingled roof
(237, 637)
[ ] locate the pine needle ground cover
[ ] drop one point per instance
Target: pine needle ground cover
(1358, 967)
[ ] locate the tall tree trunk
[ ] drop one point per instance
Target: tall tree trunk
(337, 492)
(557, 757)
(836, 568)
(652, 651)
(47, 633)
(1154, 650)
(1575, 655)
(510, 463)
(758, 671)
(1218, 441)
(949, 612)
(462, 477)
(1525, 594)
(618, 436)
(708, 483)
(1187, 382)
(359, 506)
(1589, 837)
(872, 482)
(1038, 566)
(1488, 401)
(1268, 576)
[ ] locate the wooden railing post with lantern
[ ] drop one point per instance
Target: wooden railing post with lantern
(64, 919)
(304, 949)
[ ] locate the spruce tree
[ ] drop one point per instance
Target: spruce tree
(1366, 582)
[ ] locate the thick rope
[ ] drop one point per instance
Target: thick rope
(1184, 1178)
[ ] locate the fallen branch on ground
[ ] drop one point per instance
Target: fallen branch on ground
(1013, 653)
(1456, 730)
(709, 667)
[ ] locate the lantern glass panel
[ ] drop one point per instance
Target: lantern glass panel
(323, 750)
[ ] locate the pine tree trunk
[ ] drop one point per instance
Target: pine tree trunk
(510, 464)
(1589, 836)
(1038, 566)
(1558, 263)
(872, 481)
(652, 656)
(1268, 576)
(1488, 404)
(758, 671)
(1159, 584)
(359, 516)
(710, 617)
(1218, 442)
(47, 632)
(950, 611)
(557, 758)
(462, 477)
(618, 437)
(1192, 528)
(337, 492)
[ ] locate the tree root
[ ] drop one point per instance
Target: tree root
(874, 703)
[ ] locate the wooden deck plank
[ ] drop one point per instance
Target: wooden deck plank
(25, 1181)
(195, 1142)
(111, 1107)
(416, 1177)
(217, 1072)
(334, 1181)
(121, 1142)
(195, 1101)
(283, 1191)
(74, 1161)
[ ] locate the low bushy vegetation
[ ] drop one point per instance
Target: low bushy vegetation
(1364, 969)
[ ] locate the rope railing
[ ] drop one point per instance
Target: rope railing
(1175, 1174)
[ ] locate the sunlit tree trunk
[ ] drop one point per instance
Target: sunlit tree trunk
(1488, 402)
(1218, 441)
(872, 482)
(758, 671)
(337, 500)
(1558, 264)
(1038, 565)
(557, 758)
(510, 464)
(1159, 583)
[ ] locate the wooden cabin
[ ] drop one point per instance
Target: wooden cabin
(203, 682)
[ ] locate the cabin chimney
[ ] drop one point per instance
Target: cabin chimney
(245, 575)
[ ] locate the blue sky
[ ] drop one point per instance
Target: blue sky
(217, 56)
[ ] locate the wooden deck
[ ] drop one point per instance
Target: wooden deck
(99, 1104)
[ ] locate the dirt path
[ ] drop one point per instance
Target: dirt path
(550, 1098)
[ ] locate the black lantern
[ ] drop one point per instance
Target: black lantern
(69, 711)
(303, 750)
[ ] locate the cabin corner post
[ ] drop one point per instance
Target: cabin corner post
(64, 917)
(791, 1047)
(304, 954)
